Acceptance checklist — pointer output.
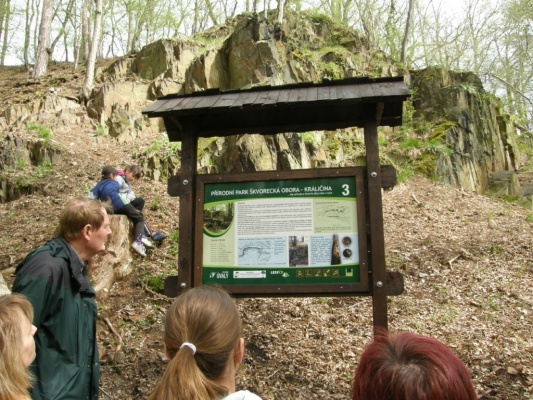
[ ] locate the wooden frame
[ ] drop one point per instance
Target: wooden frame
(354, 102)
(310, 289)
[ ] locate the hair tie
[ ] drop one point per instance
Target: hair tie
(190, 346)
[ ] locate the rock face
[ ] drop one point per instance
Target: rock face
(482, 139)
(450, 108)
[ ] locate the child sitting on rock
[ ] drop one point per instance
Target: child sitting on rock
(108, 189)
(132, 173)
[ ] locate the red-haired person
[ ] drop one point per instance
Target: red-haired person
(408, 366)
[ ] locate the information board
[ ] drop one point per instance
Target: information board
(290, 234)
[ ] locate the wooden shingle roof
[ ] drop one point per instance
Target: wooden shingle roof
(289, 108)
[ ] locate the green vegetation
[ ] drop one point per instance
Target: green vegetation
(173, 239)
(42, 131)
(163, 147)
(157, 284)
(156, 203)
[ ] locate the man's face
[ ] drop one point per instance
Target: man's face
(98, 238)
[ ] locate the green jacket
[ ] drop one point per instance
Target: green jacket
(54, 279)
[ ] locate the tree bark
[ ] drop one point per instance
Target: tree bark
(406, 32)
(43, 47)
(95, 45)
(7, 17)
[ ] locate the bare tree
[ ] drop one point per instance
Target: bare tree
(43, 48)
(95, 45)
(406, 32)
(5, 9)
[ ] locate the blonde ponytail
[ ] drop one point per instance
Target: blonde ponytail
(207, 318)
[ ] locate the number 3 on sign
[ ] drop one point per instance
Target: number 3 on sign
(345, 190)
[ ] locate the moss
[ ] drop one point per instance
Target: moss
(156, 284)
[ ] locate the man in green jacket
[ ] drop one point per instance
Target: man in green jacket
(54, 278)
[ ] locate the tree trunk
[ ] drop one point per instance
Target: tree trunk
(41, 59)
(406, 33)
(7, 16)
(29, 20)
(84, 40)
(63, 30)
(95, 45)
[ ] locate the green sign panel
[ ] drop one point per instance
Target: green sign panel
(282, 232)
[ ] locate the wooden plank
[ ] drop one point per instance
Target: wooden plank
(263, 96)
(388, 177)
(208, 101)
(323, 93)
(226, 100)
(272, 97)
(189, 155)
(312, 94)
(173, 186)
(194, 102)
(376, 237)
(333, 95)
(377, 89)
(283, 96)
(395, 285)
(302, 95)
(293, 95)
(366, 91)
(171, 104)
(184, 105)
(171, 286)
(250, 99)
(350, 92)
(154, 106)
(241, 100)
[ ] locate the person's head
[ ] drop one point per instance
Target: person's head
(17, 346)
(132, 172)
(108, 172)
(85, 224)
(206, 319)
(408, 366)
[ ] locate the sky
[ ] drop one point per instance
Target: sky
(453, 7)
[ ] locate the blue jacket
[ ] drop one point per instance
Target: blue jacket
(54, 279)
(109, 189)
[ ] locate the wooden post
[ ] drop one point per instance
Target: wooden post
(377, 241)
(189, 150)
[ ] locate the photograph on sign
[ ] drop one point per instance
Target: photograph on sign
(281, 232)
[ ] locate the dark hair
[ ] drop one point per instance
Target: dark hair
(207, 317)
(107, 171)
(408, 366)
(135, 171)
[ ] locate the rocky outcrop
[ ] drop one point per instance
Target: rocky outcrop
(453, 108)
(116, 261)
(474, 137)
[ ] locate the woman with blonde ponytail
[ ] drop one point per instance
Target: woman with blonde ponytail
(17, 347)
(204, 344)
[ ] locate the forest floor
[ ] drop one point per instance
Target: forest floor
(467, 261)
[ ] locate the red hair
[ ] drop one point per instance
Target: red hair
(408, 366)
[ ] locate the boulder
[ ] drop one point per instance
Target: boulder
(504, 183)
(4, 289)
(116, 261)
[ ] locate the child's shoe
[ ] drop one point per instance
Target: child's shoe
(147, 242)
(139, 248)
(158, 236)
